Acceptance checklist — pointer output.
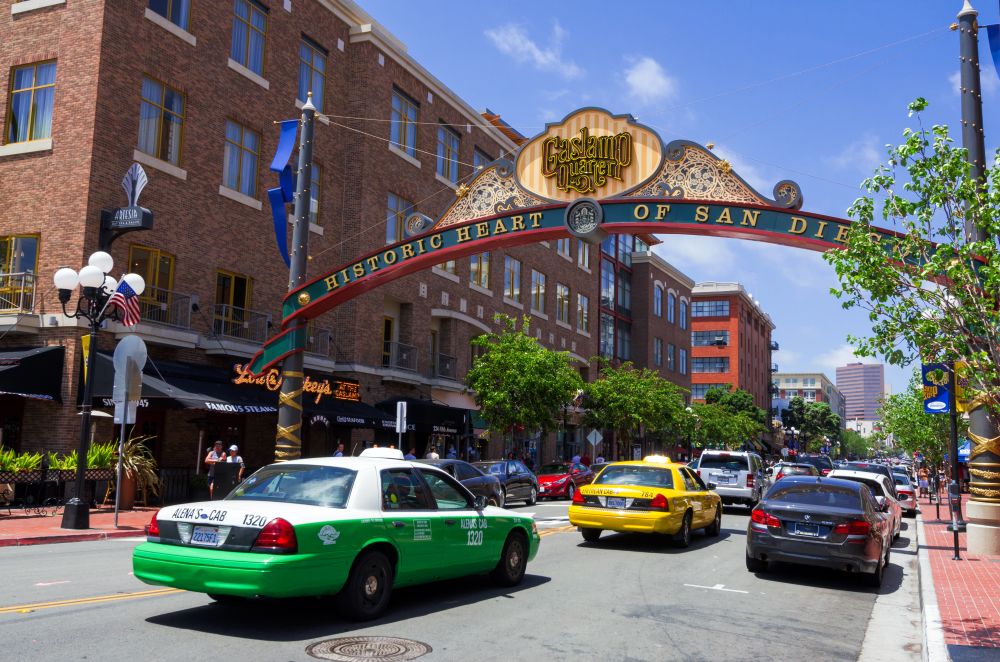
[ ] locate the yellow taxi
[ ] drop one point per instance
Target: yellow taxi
(653, 495)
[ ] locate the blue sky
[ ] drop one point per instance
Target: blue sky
(809, 91)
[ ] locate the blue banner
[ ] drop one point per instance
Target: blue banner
(937, 388)
(993, 32)
(285, 192)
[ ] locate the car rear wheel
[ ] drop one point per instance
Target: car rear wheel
(875, 578)
(513, 561)
(532, 497)
(503, 498)
(570, 490)
(756, 565)
(366, 593)
(715, 528)
(590, 535)
(683, 538)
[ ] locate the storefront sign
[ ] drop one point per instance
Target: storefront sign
(443, 429)
(937, 388)
(115, 222)
(338, 389)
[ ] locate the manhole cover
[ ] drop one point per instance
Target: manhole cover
(382, 649)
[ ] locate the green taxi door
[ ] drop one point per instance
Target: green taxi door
(411, 520)
(470, 544)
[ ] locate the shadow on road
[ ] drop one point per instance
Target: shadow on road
(312, 618)
(655, 543)
(816, 577)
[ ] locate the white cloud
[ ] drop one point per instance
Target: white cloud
(862, 155)
(750, 174)
(829, 361)
(698, 255)
(787, 360)
(513, 40)
(647, 81)
(988, 80)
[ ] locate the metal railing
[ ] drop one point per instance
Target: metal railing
(774, 367)
(399, 356)
(17, 292)
(774, 346)
(445, 366)
(319, 342)
(241, 323)
(161, 306)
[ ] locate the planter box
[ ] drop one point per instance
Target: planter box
(21, 476)
(99, 474)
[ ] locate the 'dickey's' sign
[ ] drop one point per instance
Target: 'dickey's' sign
(338, 389)
(590, 153)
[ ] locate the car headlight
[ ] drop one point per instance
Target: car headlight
(561, 481)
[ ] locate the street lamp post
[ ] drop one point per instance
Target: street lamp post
(96, 288)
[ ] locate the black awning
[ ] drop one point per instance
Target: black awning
(427, 415)
(34, 372)
(176, 385)
(349, 413)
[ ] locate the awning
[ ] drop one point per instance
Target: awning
(34, 373)
(175, 385)
(428, 416)
(348, 413)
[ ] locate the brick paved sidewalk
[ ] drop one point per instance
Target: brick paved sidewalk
(968, 591)
(20, 529)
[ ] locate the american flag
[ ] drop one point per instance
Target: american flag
(128, 303)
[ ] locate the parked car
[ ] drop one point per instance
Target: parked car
(783, 469)
(822, 462)
(473, 478)
(517, 481)
(739, 476)
(873, 467)
(884, 491)
(906, 494)
(819, 521)
(562, 479)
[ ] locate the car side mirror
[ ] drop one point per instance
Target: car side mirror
(712, 486)
(769, 471)
(480, 502)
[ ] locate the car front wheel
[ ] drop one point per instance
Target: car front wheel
(532, 497)
(715, 528)
(366, 593)
(570, 490)
(513, 561)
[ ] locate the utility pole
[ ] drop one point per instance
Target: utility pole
(288, 444)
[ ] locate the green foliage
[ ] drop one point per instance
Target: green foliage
(63, 462)
(738, 401)
(716, 426)
(100, 456)
(517, 381)
(814, 420)
(853, 443)
(625, 399)
(7, 459)
(138, 462)
(25, 462)
(930, 293)
(912, 430)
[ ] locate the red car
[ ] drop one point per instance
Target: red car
(783, 469)
(562, 479)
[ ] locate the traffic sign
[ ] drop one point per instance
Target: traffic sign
(594, 437)
(401, 417)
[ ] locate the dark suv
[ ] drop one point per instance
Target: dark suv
(823, 463)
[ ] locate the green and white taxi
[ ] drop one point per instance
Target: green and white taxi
(353, 527)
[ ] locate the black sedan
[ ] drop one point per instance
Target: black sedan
(818, 521)
(480, 484)
(519, 484)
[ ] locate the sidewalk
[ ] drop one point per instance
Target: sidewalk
(19, 529)
(967, 592)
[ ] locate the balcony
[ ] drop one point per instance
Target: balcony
(17, 292)
(249, 326)
(398, 356)
(774, 367)
(774, 346)
(445, 366)
(165, 307)
(319, 342)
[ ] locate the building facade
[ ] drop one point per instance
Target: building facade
(730, 342)
(190, 91)
(811, 387)
(863, 386)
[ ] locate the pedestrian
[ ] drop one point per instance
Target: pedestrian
(599, 460)
(340, 450)
(411, 454)
(216, 454)
(576, 458)
(585, 459)
(452, 453)
(432, 454)
(234, 458)
(923, 480)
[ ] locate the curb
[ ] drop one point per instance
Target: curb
(934, 648)
(70, 537)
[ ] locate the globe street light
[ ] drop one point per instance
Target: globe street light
(691, 432)
(96, 288)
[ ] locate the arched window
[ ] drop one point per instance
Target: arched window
(671, 307)
(658, 301)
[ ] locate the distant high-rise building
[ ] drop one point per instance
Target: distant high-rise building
(863, 386)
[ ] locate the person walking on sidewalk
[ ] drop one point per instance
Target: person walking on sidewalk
(214, 455)
(923, 481)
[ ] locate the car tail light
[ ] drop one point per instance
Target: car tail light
(825, 471)
(779, 476)
(277, 536)
(578, 498)
(699, 472)
(749, 480)
(855, 528)
(758, 516)
(659, 502)
(153, 528)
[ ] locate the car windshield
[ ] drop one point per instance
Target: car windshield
(818, 461)
(811, 494)
(554, 469)
(793, 469)
(298, 483)
(723, 461)
(495, 468)
(624, 474)
(901, 480)
(873, 485)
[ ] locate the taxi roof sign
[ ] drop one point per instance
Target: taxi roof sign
(662, 459)
(385, 453)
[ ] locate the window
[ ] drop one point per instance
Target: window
(607, 344)
(562, 246)
(607, 284)
(177, 12)
(698, 391)
(657, 352)
(640, 246)
(447, 154)
(537, 291)
(315, 192)
(403, 490)
(624, 292)
(582, 313)
(32, 94)
(709, 338)
(624, 341)
(608, 245)
(512, 279)
(658, 301)
(239, 170)
(249, 30)
(312, 72)
(710, 309)
(18, 265)
(446, 495)
(480, 159)
(671, 307)
(683, 361)
(809, 395)
(792, 393)
(232, 303)
(397, 210)
(157, 268)
(562, 303)
(710, 364)
(161, 121)
(448, 267)
(684, 314)
(625, 249)
(479, 270)
(582, 254)
(388, 325)
(403, 125)
(671, 363)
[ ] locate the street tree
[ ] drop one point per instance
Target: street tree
(627, 399)
(814, 420)
(853, 444)
(712, 425)
(518, 382)
(903, 419)
(736, 401)
(930, 293)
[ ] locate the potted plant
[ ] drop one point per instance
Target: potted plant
(101, 461)
(26, 467)
(199, 487)
(7, 465)
(63, 466)
(138, 471)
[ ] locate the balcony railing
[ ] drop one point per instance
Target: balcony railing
(17, 292)
(241, 323)
(445, 366)
(774, 346)
(319, 342)
(165, 307)
(774, 367)
(399, 356)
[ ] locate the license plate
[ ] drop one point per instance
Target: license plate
(205, 535)
(806, 529)
(726, 479)
(616, 502)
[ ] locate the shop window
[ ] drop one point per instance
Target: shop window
(18, 265)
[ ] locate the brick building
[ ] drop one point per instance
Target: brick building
(731, 342)
(191, 92)
(811, 387)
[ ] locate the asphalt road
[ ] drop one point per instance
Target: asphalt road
(625, 598)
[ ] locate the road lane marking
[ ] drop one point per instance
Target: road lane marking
(717, 587)
(561, 529)
(63, 581)
(28, 608)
